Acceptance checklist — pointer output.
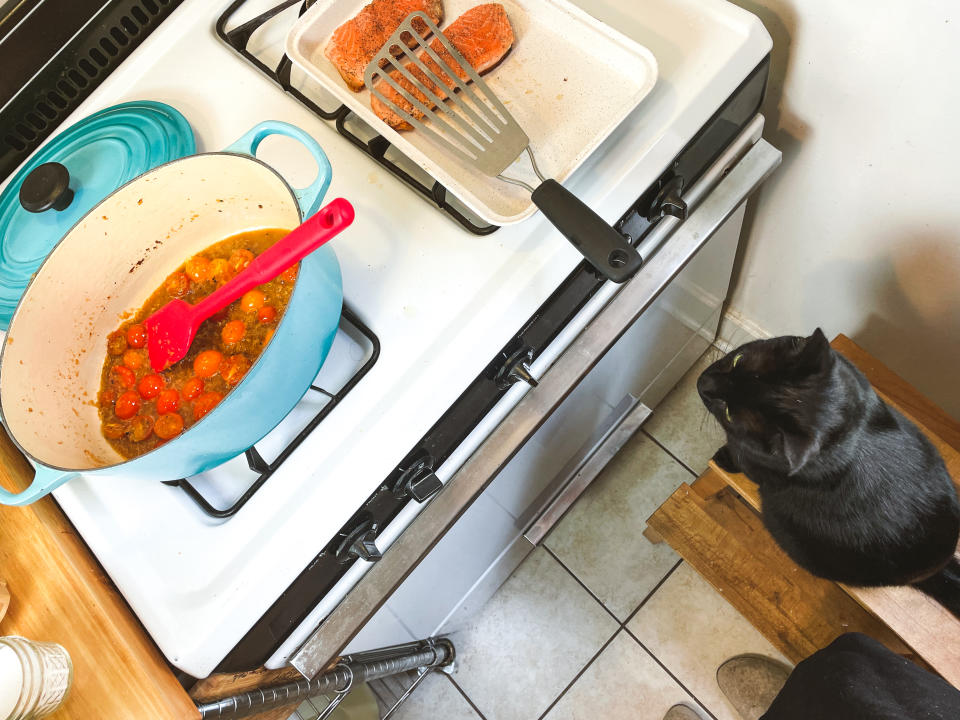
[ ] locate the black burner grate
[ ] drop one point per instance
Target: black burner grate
(256, 462)
(55, 55)
(375, 147)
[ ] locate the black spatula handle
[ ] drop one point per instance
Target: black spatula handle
(602, 246)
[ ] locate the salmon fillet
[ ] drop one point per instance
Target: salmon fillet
(353, 44)
(482, 35)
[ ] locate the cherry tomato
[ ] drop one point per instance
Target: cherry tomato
(168, 401)
(134, 359)
(124, 375)
(127, 405)
(239, 259)
(267, 314)
(192, 388)
(207, 363)
(116, 343)
(168, 426)
(140, 428)
(234, 368)
(220, 270)
(205, 403)
(136, 336)
(113, 431)
(289, 275)
(177, 284)
(198, 269)
(150, 386)
(233, 332)
(107, 398)
(252, 301)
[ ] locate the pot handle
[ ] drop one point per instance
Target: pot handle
(45, 481)
(310, 197)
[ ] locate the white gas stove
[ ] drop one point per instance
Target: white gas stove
(442, 302)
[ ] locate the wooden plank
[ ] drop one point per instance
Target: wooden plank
(727, 544)
(924, 625)
(901, 393)
(59, 593)
(222, 685)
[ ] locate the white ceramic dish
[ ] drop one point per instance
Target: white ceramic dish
(569, 80)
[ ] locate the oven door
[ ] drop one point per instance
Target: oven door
(717, 196)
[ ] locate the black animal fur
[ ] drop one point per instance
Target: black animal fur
(851, 489)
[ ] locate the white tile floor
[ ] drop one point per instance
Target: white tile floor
(597, 622)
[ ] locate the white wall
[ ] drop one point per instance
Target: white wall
(859, 229)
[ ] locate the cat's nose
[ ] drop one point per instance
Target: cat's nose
(708, 387)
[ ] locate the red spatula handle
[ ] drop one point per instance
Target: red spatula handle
(323, 226)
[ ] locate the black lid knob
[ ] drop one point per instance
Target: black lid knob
(47, 186)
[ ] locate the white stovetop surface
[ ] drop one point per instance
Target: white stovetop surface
(441, 300)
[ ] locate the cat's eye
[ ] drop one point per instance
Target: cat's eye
(736, 358)
(726, 413)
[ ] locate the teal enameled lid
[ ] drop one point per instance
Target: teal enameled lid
(71, 174)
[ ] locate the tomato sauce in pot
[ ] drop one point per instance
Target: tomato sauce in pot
(141, 409)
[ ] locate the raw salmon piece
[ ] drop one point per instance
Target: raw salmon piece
(482, 35)
(353, 44)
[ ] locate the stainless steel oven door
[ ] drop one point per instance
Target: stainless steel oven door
(667, 250)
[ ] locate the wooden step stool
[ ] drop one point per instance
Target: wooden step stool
(714, 525)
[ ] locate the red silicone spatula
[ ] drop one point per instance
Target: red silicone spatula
(171, 329)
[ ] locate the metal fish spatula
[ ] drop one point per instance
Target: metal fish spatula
(472, 123)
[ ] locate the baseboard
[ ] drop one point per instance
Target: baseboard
(735, 330)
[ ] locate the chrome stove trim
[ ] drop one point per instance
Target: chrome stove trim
(720, 192)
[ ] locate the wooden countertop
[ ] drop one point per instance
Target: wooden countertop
(60, 593)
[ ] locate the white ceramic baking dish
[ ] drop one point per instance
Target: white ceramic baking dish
(569, 80)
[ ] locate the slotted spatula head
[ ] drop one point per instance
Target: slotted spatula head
(442, 95)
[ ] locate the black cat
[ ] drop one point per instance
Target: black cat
(850, 488)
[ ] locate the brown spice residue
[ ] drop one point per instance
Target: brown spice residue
(140, 201)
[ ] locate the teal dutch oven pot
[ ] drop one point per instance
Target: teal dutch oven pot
(109, 263)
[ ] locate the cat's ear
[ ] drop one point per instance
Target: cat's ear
(816, 355)
(798, 450)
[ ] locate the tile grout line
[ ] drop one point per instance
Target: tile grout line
(622, 627)
(580, 674)
(674, 677)
(668, 452)
(651, 593)
(466, 697)
(581, 584)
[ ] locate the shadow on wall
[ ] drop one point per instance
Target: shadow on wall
(914, 325)
(783, 128)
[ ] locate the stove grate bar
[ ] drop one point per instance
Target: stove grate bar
(376, 148)
(255, 460)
